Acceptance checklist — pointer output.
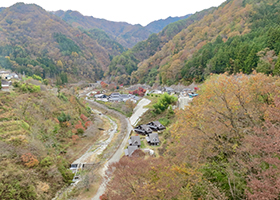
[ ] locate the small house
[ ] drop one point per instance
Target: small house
(169, 90)
(100, 96)
(143, 129)
(124, 97)
(156, 125)
(4, 74)
(153, 139)
(134, 141)
(12, 75)
(115, 94)
(114, 99)
(130, 149)
(5, 85)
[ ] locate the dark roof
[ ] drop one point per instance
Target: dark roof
(153, 137)
(158, 124)
(146, 128)
(100, 96)
(3, 82)
(115, 94)
(169, 89)
(130, 150)
(124, 96)
(134, 141)
(114, 99)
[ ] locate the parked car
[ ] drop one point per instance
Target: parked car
(191, 94)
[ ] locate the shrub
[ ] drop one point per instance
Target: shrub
(164, 102)
(28, 87)
(35, 77)
(83, 117)
(46, 81)
(63, 117)
(46, 162)
(62, 97)
(29, 160)
(80, 131)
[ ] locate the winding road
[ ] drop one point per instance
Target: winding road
(138, 111)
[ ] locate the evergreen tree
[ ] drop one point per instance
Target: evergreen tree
(276, 70)
(251, 61)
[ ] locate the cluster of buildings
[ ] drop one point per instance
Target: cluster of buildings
(150, 131)
(117, 97)
(6, 77)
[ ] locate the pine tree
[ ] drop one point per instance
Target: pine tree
(276, 70)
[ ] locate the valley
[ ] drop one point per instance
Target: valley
(182, 108)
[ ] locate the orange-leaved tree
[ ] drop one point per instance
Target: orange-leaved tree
(209, 133)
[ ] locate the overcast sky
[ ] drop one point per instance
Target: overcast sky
(131, 11)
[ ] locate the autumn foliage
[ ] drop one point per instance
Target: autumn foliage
(79, 126)
(139, 92)
(29, 160)
(225, 145)
(83, 117)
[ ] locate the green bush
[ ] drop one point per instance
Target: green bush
(164, 121)
(164, 102)
(62, 97)
(35, 77)
(46, 81)
(80, 131)
(63, 117)
(46, 162)
(27, 87)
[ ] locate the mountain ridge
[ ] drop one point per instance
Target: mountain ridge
(124, 33)
(158, 25)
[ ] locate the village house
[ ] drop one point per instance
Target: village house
(153, 139)
(169, 90)
(134, 141)
(156, 125)
(4, 74)
(11, 76)
(5, 85)
(143, 129)
(130, 149)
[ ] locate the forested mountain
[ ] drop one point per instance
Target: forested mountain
(37, 42)
(238, 36)
(125, 34)
(158, 25)
(122, 66)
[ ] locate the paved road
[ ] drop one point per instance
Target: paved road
(138, 112)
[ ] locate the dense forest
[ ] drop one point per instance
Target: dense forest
(237, 36)
(126, 34)
(34, 41)
(123, 65)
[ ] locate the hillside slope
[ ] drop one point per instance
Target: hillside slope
(36, 129)
(123, 65)
(37, 42)
(233, 38)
